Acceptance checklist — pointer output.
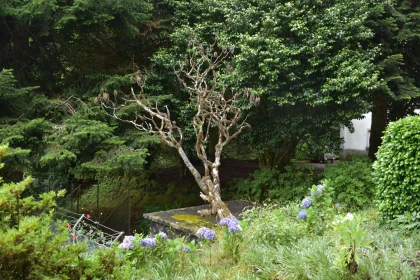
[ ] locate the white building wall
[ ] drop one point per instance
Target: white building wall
(358, 141)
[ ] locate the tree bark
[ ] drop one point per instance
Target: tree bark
(379, 122)
(209, 183)
(22, 59)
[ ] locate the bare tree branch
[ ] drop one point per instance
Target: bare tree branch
(214, 108)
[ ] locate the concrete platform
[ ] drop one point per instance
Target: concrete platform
(186, 221)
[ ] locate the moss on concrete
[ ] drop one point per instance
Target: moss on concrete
(192, 222)
(187, 218)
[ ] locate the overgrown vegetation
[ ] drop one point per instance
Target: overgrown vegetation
(311, 65)
(352, 182)
(271, 242)
(275, 185)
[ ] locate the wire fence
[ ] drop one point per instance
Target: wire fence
(83, 228)
(97, 225)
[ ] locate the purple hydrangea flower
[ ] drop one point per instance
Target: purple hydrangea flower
(337, 205)
(126, 246)
(224, 221)
(163, 235)
(233, 225)
(187, 250)
(321, 186)
(302, 214)
(201, 231)
(234, 228)
(319, 191)
(306, 202)
(233, 221)
(209, 234)
(148, 242)
(128, 239)
(127, 242)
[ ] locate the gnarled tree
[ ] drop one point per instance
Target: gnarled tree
(215, 107)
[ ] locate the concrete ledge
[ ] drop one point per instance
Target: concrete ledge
(186, 221)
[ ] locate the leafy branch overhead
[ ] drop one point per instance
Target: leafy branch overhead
(215, 107)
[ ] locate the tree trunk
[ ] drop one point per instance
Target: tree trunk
(279, 159)
(379, 123)
(22, 61)
(209, 183)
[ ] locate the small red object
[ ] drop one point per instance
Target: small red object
(88, 216)
(74, 236)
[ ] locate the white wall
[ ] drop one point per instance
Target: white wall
(359, 139)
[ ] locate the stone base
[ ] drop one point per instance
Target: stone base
(186, 221)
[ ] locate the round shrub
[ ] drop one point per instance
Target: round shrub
(397, 169)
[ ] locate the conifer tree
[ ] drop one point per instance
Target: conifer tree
(396, 26)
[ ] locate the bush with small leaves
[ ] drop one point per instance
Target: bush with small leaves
(397, 169)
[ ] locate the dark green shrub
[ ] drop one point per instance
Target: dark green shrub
(273, 184)
(352, 182)
(397, 169)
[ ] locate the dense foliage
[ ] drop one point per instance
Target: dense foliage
(313, 65)
(298, 57)
(319, 240)
(34, 245)
(396, 170)
(398, 62)
(272, 184)
(352, 182)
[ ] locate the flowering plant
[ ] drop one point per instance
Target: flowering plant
(348, 233)
(137, 250)
(318, 209)
(206, 233)
(232, 236)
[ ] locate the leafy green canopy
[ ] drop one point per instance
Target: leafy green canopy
(396, 170)
(308, 60)
(397, 33)
(308, 51)
(395, 24)
(12, 100)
